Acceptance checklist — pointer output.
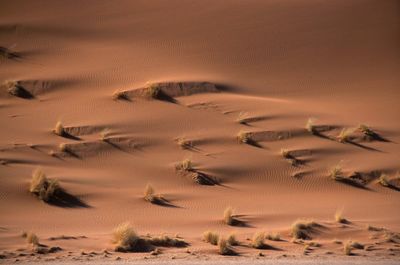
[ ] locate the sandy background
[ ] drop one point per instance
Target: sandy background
(279, 62)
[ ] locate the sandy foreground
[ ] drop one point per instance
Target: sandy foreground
(164, 114)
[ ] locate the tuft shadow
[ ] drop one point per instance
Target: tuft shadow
(8, 54)
(66, 200)
(363, 146)
(238, 222)
(163, 202)
(161, 95)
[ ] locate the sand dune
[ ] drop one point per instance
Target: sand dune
(259, 103)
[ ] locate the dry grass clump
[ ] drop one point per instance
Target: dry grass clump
(44, 188)
(14, 88)
(59, 129)
(345, 135)
(167, 241)
(336, 172)
(383, 180)
(242, 117)
(118, 95)
(228, 216)
(257, 240)
(347, 248)
(211, 237)
(310, 126)
(224, 248)
(104, 134)
(244, 137)
(152, 91)
(368, 132)
(185, 165)
(125, 237)
(232, 240)
(184, 143)
(285, 153)
(8, 53)
(32, 239)
(150, 196)
(301, 229)
(64, 147)
(339, 217)
(273, 236)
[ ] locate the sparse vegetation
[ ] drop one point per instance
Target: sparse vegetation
(32, 239)
(383, 180)
(64, 147)
(104, 134)
(228, 216)
(118, 95)
(273, 236)
(45, 189)
(59, 129)
(14, 88)
(339, 217)
(257, 240)
(232, 240)
(242, 117)
(185, 143)
(345, 135)
(125, 237)
(347, 248)
(285, 153)
(244, 137)
(224, 247)
(310, 127)
(367, 131)
(301, 229)
(150, 196)
(211, 237)
(336, 173)
(185, 165)
(167, 241)
(152, 91)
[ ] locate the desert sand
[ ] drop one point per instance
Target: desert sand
(281, 110)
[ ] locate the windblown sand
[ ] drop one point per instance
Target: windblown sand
(262, 68)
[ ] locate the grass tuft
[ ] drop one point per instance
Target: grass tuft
(45, 189)
(244, 137)
(104, 134)
(310, 126)
(125, 237)
(32, 238)
(383, 180)
(185, 165)
(184, 143)
(347, 248)
(301, 229)
(167, 241)
(273, 236)
(242, 118)
(150, 196)
(224, 248)
(345, 135)
(152, 91)
(59, 129)
(211, 237)
(257, 240)
(232, 239)
(228, 216)
(119, 95)
(339, 217)
(336, 172)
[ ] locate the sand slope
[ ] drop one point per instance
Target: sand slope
(270, 64)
